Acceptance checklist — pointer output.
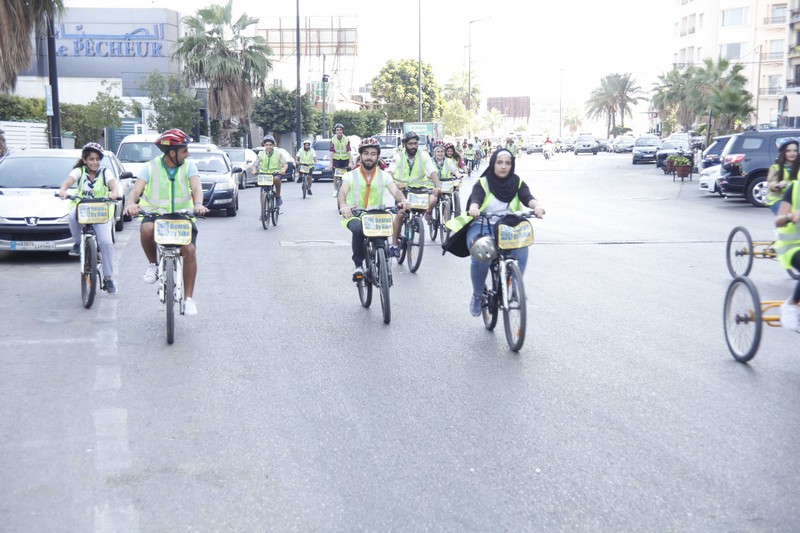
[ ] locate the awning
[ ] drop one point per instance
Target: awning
(790, 105)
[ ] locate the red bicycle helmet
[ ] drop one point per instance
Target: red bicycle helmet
(173, 138)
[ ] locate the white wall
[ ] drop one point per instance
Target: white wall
(70, 90)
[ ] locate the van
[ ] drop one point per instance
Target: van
(136, 150)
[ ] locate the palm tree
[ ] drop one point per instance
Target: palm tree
(572, 120)
(676, 93)
(627, 94)
(19, 18)
(216, 52)
(732, 106)
(458, 88)
(603, 103)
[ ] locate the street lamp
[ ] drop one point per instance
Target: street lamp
(469, 63)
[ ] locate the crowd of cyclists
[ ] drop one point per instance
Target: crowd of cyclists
(170, 183)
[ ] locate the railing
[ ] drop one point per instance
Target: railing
(791, 84)
(770, 91)
(775, 20)
(772, 56)
(794, 51)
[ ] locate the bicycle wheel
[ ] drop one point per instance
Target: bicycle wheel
(169, 297)
(433, 224)
(514, 315)
(264, 210)
(304, 185)
(489, 308)
(365, 284)
(742, 319)
(404, 240)
(90, 277)
(456, 204)
(445, 232)
(274, 209)
(416, 245)
(739, 252)
(794, 274)
(383, 284)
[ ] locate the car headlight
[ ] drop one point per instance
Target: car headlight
(224, 186)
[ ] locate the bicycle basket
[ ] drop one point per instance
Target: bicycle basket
(339, 172)
(447, 186)
(173, 232)
(305, 169)
(377, 224)
(514, 233)
(93, 213)
(265, 179)
(418, 201)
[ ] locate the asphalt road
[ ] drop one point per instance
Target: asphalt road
(285, 406)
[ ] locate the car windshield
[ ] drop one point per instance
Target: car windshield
(38, 172)
(584, 139)
(138, 152)
(675, 145)
(648, 142)
(236, 154)
(387, 141)
(214, 163)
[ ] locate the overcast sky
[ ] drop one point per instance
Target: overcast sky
(521, 49)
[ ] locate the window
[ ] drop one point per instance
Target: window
(774, 81)
(699, 54)
(700, 21)
(752, 144)
(734, 17)
(777, 46)
(778, 11)
(731, 51)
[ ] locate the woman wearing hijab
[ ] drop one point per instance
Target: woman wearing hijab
(499, 191)
(780, 174)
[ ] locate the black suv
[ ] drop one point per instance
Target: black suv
(711, 155)
(746, 160)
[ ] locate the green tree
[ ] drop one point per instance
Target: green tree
(20, 109)
(603, 103)
(572, 120)
(493, 121)
(628, 93)
(106, 110)
(172, 106)
(73, 118)
(396, 87)
(732, 106)
(275, 111)
(374, 122)
(459, 88)
(456, 118)
(216, 51)
(19, 18)
(353, 122)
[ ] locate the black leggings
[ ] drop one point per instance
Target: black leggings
(796, 265)
(358, 241)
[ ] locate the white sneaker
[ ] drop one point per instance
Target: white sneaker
(789, 316)
(334, 195)
(189, 307)
(151, 273)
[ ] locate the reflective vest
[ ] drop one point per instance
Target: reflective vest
(306, 157)
(99, 186)
(164, 195)
(340, 148)
(455, 224)
(469, 154)
(788, 242)
(773, 197)
(512, 148)
(444, 169)
(365, 195)
(403, 172)
(270, 163)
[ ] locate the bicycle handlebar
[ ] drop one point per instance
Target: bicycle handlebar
(85, 199)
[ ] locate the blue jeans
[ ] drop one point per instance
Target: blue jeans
(774, 207)
(479, 269)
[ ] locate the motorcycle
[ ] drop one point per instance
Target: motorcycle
(547, 150)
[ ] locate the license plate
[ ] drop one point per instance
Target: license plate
(317, 173)
(32, 245)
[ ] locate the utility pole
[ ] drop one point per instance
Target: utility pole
(324, 97)
(419, 63)
(298, 104)
(758, 84)
(52, 67)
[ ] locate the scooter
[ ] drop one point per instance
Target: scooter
(547, 150)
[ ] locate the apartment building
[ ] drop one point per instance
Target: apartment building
(753, 33)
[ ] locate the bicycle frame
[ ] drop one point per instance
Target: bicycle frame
(174, 252)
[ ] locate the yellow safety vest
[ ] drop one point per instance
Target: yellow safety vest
(273, 162)
(773, 197)
(340, 148)
(164, 195)
(788, 242)
(306, 157)
(455, 224)
(99, 186)
(365, 195)
(403, 172)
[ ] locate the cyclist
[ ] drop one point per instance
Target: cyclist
(451, 155)
(306, 156)
(357, 191)
(86, 173)
(499, 191)
(340, 152)
(780, 176)
(167, 184)
(511, 147)
(407, 173)
(469, 156)
(445, 167)
(272, 161)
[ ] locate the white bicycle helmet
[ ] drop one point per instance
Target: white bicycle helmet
(483, 249)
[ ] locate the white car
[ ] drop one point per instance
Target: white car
(32, 218)
(708, 179)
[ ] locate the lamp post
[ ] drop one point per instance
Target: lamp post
(469, 63)
(560, 121)
(419, 62)
(298, 105)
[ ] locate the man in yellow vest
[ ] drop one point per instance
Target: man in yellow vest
(340, 153)
(272, 161)
(168, 184)
(364, 188)
(788, 248)
(306, 158)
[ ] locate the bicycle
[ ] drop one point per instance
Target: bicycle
(412, 232)
(506, 290)
(171, 231)
(337, 179)
(744, 316)
(377, 226)
(91, 211)
(442, 211)
(741, 249)
(305, 173)
(269, 206)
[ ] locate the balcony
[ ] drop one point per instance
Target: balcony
(794, 16)
(775, 20)
(770, 91)
(772, 56)
(794, 51)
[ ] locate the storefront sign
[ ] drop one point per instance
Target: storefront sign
(140, 42)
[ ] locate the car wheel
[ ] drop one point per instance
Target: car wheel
(118, 225)
(757, 191)
(633, 162)
(243, 181)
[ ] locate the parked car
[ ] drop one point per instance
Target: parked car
(711, 155)
(247, 160)
(321, 170)
(746, 159)
(622, 144)
(31, 216)
(218, 178)
(645, 148)
(673, 147)
(604, 145)
(585, 144)
(708, 179)
(567, 145)
(389, 144)
(136, 150)
(533, 145)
